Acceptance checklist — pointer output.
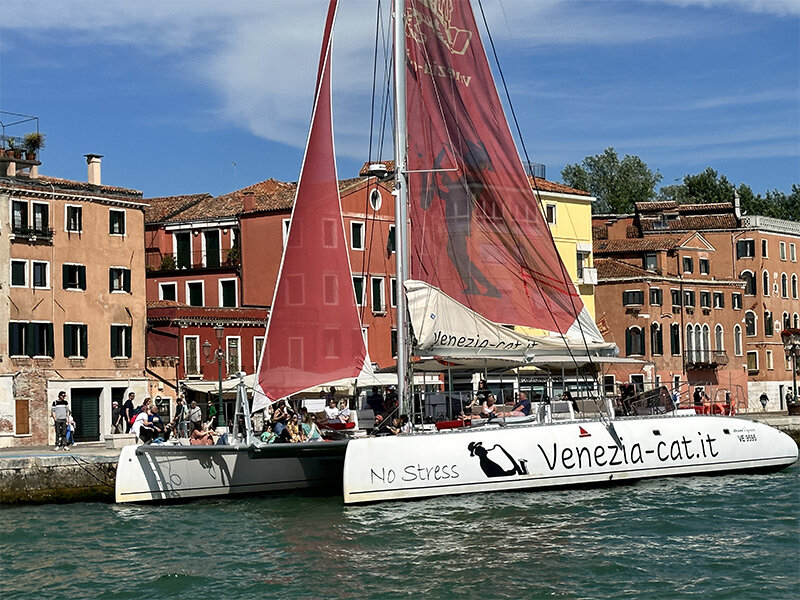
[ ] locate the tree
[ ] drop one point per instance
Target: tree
(617, 184)
(702, 188)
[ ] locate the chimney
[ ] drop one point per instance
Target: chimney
(93, 160)
(737, 205)
(11, 168)
(249, 201)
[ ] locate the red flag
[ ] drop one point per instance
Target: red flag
(583, 432)
(477, 231)
(314, 331)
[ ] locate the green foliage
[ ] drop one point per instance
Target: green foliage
(34, 141)
(617, 184)
(168, 262)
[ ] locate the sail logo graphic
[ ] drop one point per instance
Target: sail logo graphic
(439, 21)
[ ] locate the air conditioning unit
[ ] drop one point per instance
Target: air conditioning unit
(589, 276)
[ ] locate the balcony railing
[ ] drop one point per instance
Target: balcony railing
(33, 234)
(227, 257)
(705, 358)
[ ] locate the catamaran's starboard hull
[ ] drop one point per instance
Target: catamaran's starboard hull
(164, 473)
(558, 455)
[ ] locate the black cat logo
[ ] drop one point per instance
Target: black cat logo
(492, 468)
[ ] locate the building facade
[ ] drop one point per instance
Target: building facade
(73, 302)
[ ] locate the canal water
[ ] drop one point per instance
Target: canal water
(733, 536)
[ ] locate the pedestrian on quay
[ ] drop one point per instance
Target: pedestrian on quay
(116, 418)
(127, 412)
(61, 414)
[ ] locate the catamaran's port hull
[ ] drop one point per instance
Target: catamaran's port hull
(164, 473)
(567, 454)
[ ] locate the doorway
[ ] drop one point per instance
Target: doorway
(86, 412)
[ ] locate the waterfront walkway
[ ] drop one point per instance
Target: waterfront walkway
(87, 471)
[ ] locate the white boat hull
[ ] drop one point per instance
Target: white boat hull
(562, 454)
(161, 473)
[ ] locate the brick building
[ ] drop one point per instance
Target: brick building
(701, 292)
(73, 301)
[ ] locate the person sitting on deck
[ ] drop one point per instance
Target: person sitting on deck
(279, 417)
(332, 411)
(521, 409)
(310, 429)
(390, 403)
(405, 424)
(375, 402)
(294, 429)
(344, 411)
(141, 427)
(481, 395)
(200, 437)
(156, 422)
(489, 409)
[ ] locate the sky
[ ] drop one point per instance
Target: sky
(184, 97)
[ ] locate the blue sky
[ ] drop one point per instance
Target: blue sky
(174, 93)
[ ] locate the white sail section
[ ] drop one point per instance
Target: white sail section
(444, 327)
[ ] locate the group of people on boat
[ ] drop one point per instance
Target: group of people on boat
(284, 424)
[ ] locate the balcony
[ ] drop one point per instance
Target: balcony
(705, 359)
(157, 261)
(32, 234)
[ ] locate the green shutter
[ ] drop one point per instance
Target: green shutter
(84, 341)
(126, 280)
(111, 280)
(68, 340)
(128, 331)
(82, 277)
(50, 349)
(30, 339)
(114, 341)
(64, 276)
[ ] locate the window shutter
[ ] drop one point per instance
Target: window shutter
(68, 341)
(114, 341)
(82, 277)
(128, 341)
(111, 280)
(64, 276)
(126, 280)
(84, 341)
(30, 339)
(628, 342)
(50, 350)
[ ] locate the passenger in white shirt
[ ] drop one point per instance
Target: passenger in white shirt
(331, 411)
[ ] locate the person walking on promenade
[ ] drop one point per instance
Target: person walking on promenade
(127, 412)
(61, 415)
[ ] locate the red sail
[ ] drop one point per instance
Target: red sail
(314, 332)
(477, 232)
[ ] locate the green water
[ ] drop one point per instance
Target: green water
(733, 536)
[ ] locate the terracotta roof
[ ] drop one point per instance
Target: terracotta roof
(655, 206)
(611, 268)
(599, 232)
(268, 195)
(43, 182)
(550, 186)
(651, 243)
(161, 209)
(694, 223)
(164, 304)
(725, 207)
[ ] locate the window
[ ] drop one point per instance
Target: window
(116, 222)
(119, 279)
(393, 292)
(768, 324)
(258, 347)
(719, 300)
(191, 354)
(688, 298)
(792, 252)
(796, 321)
(656, 339)
(359, 283)
(783, 250)
(393, 341)
(634, 341)
(168, 291)
(633, 298)
(687, 264)
(750, 283)
(356, 235)
(769, 360)
(745, 249)
(550, 213)
(41, 274)
(17, 338)
(794, 287)
(73, 277)
(719, 339)
(195, 293)
(30, 339)
(582, 261)
(704, 266)
(656, 298)
(675, 339)
(764, 252)
(233, 356)
(736, 300)
(750, 323)
(19, 273)
(75, 340)
(375, 199)
(183, 249)
(705, 299)
(41, 217)
(784, 286)
(786, 322)
(609, 385)
(211, 253)
(752, 360)
(651, 261)
(377, 292)
(737, 340)
(74, 218)
(390, 241)
(765, 283)
(19, 217)
(676, 297)
(120, 341)
(227, 293)
(286, 224)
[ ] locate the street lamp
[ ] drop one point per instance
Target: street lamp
(791, 347)
(218, 357)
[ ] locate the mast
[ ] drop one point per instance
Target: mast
(401, 202)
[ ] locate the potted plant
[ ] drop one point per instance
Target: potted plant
(34, 142)
(13, 150)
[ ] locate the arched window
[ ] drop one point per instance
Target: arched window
(750, 323)
(675, 339)
(765, 282)
(634, 341)
(706, 338)
(656, 339)
(786, 322)
(784, 286)
(796, 321)
(737, 340)
(689, 342)
(750, 283)
(768, 329)
(794, 287)
(719, 339)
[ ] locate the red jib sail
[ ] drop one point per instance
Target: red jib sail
(314, 332)
(476, 230)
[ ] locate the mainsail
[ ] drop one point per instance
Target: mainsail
(477, 231)
(314, 332)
